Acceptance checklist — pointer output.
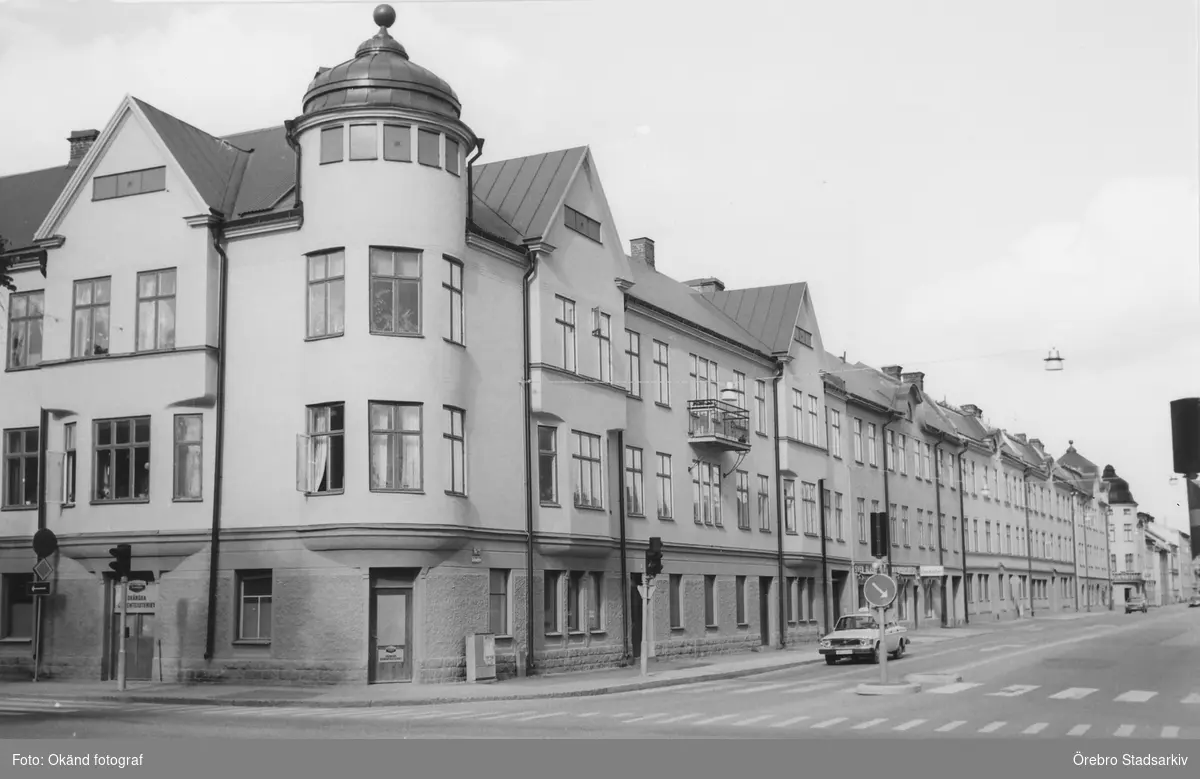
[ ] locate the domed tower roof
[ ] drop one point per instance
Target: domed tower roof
(381, 74)
(1118, 488)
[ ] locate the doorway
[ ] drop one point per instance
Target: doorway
(764, 608)
(139, 629)
(391, 627)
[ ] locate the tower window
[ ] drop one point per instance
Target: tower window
(452, 156)
(364, 142)
(331, 144)
(397, 143)
(428, 152)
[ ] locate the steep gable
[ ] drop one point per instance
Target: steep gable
(517, 199)
(767, 313)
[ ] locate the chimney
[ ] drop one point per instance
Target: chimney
(895, 371)
(643, 249)
(81, 141)
(973, 410)
(706, 286)
(916, 377)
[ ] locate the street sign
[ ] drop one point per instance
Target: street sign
(45, 543)
(37, 588)
(136, 585)
(880, 591)
(44, 570)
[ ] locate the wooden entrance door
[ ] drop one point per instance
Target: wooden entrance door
(390, 644)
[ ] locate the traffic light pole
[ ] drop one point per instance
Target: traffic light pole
(647, 589)
(123, 629)
(883, 655)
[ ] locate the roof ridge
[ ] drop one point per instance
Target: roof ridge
(217, 139)
(535, 154)
(36, 170)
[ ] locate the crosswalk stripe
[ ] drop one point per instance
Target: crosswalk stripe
(829, 722)
(1135, 696)
(680, 718)
(752, 720)
(1013, 690)
(951, 689)
(1079, 730)
(1033, 730)
(1125, 730)
(1073, 694)
(760, 688)
(949, 726)
(912, 723)
(791, 721)
(992, 727)
(869, 724)
(1170, 731)
(711, 720)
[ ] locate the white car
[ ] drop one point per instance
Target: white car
(856, 636)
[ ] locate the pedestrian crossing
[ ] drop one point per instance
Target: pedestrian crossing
(1068, 694)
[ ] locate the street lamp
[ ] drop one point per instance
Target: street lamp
(1054, 361)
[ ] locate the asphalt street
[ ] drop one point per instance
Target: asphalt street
(1103, 677)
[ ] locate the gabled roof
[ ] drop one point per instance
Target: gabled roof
(25, 199)
(768, 313)
(517, 199)
(270, 174)
(1073, 459)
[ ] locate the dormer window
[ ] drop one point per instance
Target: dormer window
(803, 337)
(584, 225)
(135, 182)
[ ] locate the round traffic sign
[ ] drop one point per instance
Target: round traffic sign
(880, 590)
(45, 543)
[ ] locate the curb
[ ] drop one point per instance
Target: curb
(933, 678)
(651, 684)
(888, 689)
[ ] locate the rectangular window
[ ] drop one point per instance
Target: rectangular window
(322, 459)
(739, 387)
(254, 606)
(826, 513)
(902, 454)
(704, 376)
(890, 450)
(498, 601)
(90, 317)
(603, 333)
(134, 182)
(395, 291)
(710, 601)
(326, 294)
(676, 614)
(189, 457)
(812, 430)
(764, 503)
(70, 459)
(633, 363)
(835, 432)
(803, 337)
(16, 608)
(798, 415)
(858, 440)
(596, 602)
(921, 528)
(588, 487)
(331, 144)
(551, 608)
(916, 458)
(662, 372)
(565, 319)
(364, 142)
(548, 464)
(456, 446)
(926, 462)
(790, 601)
(122, 456)
(634, 482)
(396, 444)
(760, 405)
(581, 224)
(452, 155)
(397, 143)
(894, 523)
(860, 512)
(838, 517)
(808, 494)
(872, 446)
(740, 599)
(789, 505)
(428, 151)
(21, 468)
(942, 531)
(954, 533)
(743, 500)
(25, 313)
(665, 500)
(454, 293)
(576, 601)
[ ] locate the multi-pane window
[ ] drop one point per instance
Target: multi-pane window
(596, 602)
(916, 458)
(633, 363)
(860, 511)
(603, 333)
(332, 144)
(704, 378)
(565, 319)
(710, 601)
(588, 487)
(740, 599)
(872, 446)
(706, 493)
(551, 607)
(838, 517)
(812, 429)
(364, 142)
(835, 432)
(789, 505)
(454, 300)
(926, 461)
(16, 606)
(584, 225)
(665, 500)
(760, 405)
(122, 459)
(942, 531)
(902, 454)
(397, 143)
(456, 448)
(90, 317)
(396, 442)
(429, 150)
(156, 310)
(858, 440)
(133, 182)
(739, 387)
(576, 601)
(189, 456)
(662, 372)
(498, 601)
(904, 525)
(743, 500)
(547, 464)
(674, 600)
(635, 499)
(254, 606)
(323, 462)
(764, 503)
(826, 511)
(808, 496)
(395, 291)
(889, 438)
(70, 459)
(452, 155)
(326, 294)
(25, 312)
(21, 468)
(893, 524)
(804, 337)
(954, 533)
(798, 415)
(921, 528)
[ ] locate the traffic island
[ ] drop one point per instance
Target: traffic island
(933, 678)
(899, 688)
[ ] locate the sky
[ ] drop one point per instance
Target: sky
(964, 186)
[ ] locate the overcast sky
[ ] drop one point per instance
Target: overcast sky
(964, 185)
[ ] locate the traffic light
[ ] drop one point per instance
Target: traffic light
(654, 557)
(122, 559)
(879, 534)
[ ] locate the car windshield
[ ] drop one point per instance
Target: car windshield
(857, 623)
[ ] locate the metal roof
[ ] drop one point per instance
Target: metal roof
(768, 313)
(524, 193)
(25, 199)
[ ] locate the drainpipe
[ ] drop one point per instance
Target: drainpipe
(624, 561)
(937, 498)
(779, 523)
(825, 602)
(528, 414)
(962, 515)
(43, 447)
(471, 181)
(289, 127)
(219, 421)
(1028, 536)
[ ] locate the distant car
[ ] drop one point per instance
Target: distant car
(1195, 601)
(1136, 603)
(856, 636)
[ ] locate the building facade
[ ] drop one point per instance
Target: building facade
(1127, 541)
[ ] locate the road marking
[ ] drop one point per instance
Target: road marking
(1073, 693)
(1170, 731)
(791, 721)
(432, 715)
(950, 689)
(998, 647)
(827, 723)
(805, 687)
(1013, 690)
(621, 714)
(711, 720)
(760, 688)
(949, 726)
(869, 724)
(708, 687)
(1135, 696)
(504, 714)
(644, 718)
(1095, 632)
(912, 723)
(1033, 730)
(1124, 730)
(1193, 698)
(992, 727)
(586, 714)
(532, 717)
(680, 718)
(752, 720)
(1079, 730)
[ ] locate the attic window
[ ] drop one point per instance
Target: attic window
(804, 337)
(136, 182)
(581, 224)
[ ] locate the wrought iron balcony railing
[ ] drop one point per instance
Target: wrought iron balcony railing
(719, 423)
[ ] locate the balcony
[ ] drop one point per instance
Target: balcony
(1126, 576)
(719, 424)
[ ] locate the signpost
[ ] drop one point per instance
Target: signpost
(45, 543)
(880, 592)
(646, 590)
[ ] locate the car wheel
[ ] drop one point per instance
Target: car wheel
(830, 660)
(900, 649)
(875, 654)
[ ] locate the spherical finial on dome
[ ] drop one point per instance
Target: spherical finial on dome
(385, 16)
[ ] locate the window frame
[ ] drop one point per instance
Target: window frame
(181, 448)
(760, 406)
(433, 137)
(710, 601)
(374, 154)
(603, 335)
(133, 445)
(397, 282)
(505, 610)
(552, 604)
(594, 462)
(70, 463)
(674, 601)
(578, 222)
(664, 480)
(457, 299)
(789, 507)
(633, 363)
(742, 492)
(26, 461)
(835, 432)
(635, 485)
(143, 187)
(397, 431)
(312, 435)
(24, 324)
(324, 151)
(662, 372)
(242, 578)
(552, 454)
(91, 307)
(764, 503)
(327, 283)
(458, 459)
(13, 592)
(565, 319)
(408, 146)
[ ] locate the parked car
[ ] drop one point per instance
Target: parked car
(856, 636)
(1136, 603)
(1195, 601)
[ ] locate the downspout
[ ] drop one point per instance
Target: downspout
(624, 562)
(289, 134)
(1028, 536)
(779, 523)
(471, 181)
(43, 447)
(937, 500)
(528, 414)
(962, 515)
(219, 421)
